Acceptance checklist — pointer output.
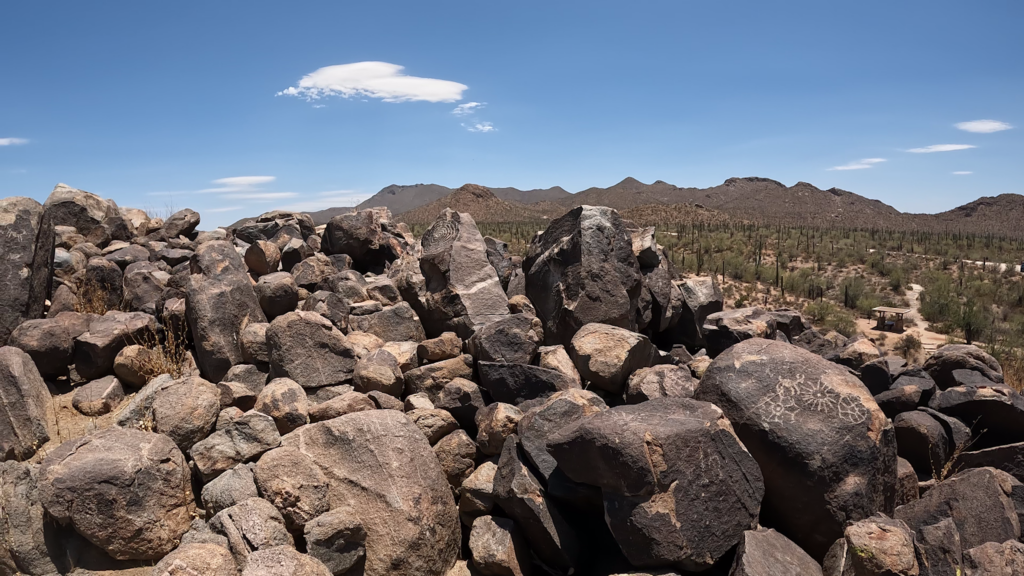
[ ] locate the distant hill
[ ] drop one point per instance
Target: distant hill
(1003, 214)
(481, 203)
(667, 214)
(400, 199)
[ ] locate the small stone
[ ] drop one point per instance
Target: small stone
(98, 397)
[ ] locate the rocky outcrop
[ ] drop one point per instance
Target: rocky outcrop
(26, 268)
(24, 401)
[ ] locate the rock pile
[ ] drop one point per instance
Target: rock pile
(277, 399)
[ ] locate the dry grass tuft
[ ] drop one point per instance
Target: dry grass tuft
(92, 298)
(166, 352)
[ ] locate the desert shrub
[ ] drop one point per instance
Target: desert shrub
(908, 346)
(92, 298)
(167, 351)
(831, 317)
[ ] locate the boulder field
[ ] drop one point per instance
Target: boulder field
(282, 399)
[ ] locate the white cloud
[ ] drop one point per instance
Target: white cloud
(330, 199)
(941, 148)
(12, 141)
(480, 127)
(962, 172)
(859, 164)
(260, 196)
(223, 209)
(983, 126)
(239, 183)
(374, 80)
(468, 108)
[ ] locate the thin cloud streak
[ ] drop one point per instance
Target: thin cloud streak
(941, 148)
(480, 127)
(13, 141)
(859, 164)
(381, 80)
(983, 126)
(468, 108)
(962, 172)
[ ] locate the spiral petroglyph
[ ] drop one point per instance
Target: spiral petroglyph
(439, 236)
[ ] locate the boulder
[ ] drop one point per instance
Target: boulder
(181, 223)
(461, 289)
(498, 547)
(405, 353)
(294, 484)
(48, 342)
(378, 370)
(102, 287)
(1009, 459)
(432, 378)
(517, 383)
(582, 270)
(262, 257)
(98, 397)
(876, 375)
(31, 542)
(93, 484)
(541, 422)
(701, 298)
(857, 353)
(607, 355)
(500, 259)
(435, 424)
(232, 487)
(827, 451)
(25, 401)
(369, 237)
(307, 348)
(242, 440)
(447, 345)
(312, 272)
(996, 409)
(337, 540)
(251, 525)
(905, 396)
(725, 329)
(659, 513)
(381, 468)
(519, 303)
(285, 401)
(184, 409)
(96, 349)
(661, 381)
(277, 293)
(205, 559)
(456, 452)
(923, 442)
(945, 360)
(476, 494)
(979, 501)
(25, 270)
(495, 423)
(253, 343)
(144, 289)
(283, 561)
(557, 359)
(219, 303)
(765, 552)
(994, 559)
(906, 482)
(522, 497)
(392, 324)
(418, 401)
(513, 339)
(329, 305)
(938, 549)
(874, 546)
(346, 403)
(462, 399)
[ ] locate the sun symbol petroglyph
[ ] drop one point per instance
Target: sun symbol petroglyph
(439, 236)
(791, 396)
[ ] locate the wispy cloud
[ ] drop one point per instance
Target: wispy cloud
(480, 127)
(468, 108)
(374, 80)
(983, 126)
(263, 196)
(859, 164)
(941, 148)
(223, 209)
(962, 172)
(12, 141)
(239, 183)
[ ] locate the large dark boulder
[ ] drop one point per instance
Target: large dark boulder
(219, 303)
(126, 491)
(874, 546)
(827, 451)
(725, 329)
(48, 342)
(398, 323)
(26, 267)
(98, 220)
(765, 552)
(582, 269)
(668, 469)
(307, 348)
(951, 357)
(995, 559)
(606, 355)
(517, 383)
(701, 298)
(24, 402)
(381, 469)
(29, 542)
(513, 339)
(1009, 459)
(996, 409)
(181, 223)
(979, 501)
(461, 288)
(922, 441)
(96, 350)
(369, 237)
(541, 422)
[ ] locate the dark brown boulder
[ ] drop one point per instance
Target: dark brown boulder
(725, 329)
(181, 223)
(285, 401)
(307, 348)
(184, 409)
(581, 270)
(48, 342)
(337, 540)
(499, 548)
(126, 491)
(765, 552)
(278, 294)
(396, 323)
(876, 546)
(517, 383)
(827, 451)
(96, 350)
(242, 440)
(24, 400)
(369, 237)
(294, 484)
(542, 422)
(995, 559)
(941, 365)
(662, 381)
(996, 409)
(668, 469)
(381, 469)
(98, 397)
(26, 268)
(251, 525)
(606, 355)
(283, 561)
(30, 543)
(701, 298)
(219, 303)
(198, 558)
(939, 552)
(513, 339)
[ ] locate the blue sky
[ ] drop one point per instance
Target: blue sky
(204, 104)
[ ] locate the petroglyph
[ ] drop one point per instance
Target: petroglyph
(439, 236)
(791, 396)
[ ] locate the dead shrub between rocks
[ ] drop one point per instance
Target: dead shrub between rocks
(166, 355)
(950, 467)
(91, 298)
